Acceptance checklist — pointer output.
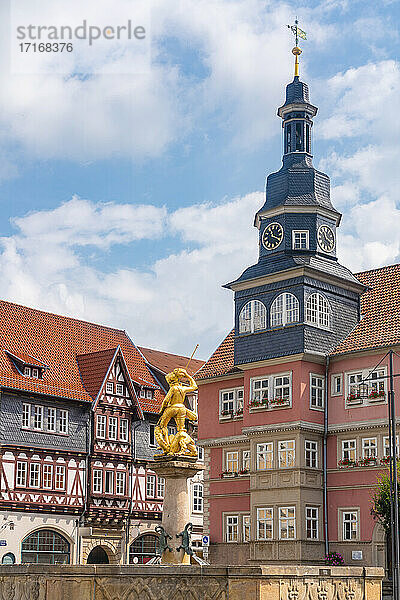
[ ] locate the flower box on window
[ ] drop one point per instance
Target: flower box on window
(376, 396)
(227, 413)
(385, 460)
(368, 461)
(354, 399)
(276, 402)
(258, 403)
(244, 471)
(239, 412)
(229, 474)
(346, 462)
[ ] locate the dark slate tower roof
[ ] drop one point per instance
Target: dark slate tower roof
(297, 92)
(297, 183)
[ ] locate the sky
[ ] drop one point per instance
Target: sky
(128, 184)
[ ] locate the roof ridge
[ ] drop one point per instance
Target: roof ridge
(377, 269)
(46, 312)
(169, 353)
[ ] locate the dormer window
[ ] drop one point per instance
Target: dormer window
(146, 393)
(27, 365)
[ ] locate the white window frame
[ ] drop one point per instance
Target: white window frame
(47, 476)
(311, 451)
(120, 482)
(232, 529)
(34, 469)
(285, 518)
(349, 447)
(236, 400)
(265, 452)
(119, 389)
(322, 318)
(319, 389)
(246, 460)
(101, 426)
(347, 515)
(51, 419)
(267, 394)
(123, 430)
(160, 487)
(232, 456)
(334, 378)
(109, 387)
(368, 445)
(97, 481)
(246, 528)
(35, 373)
(365, 386)
(38, 415)
(286, 454)
(112, 428)
(301, 232)
(21, 473)
(27, 372)
(285, 309)
(149, 394)
(109, 481)
(386, 446)
(59, 477)
(26, 415)
(152, 429)
(253, 322)
(63, 421)
(312, 517)
(200, 453)
(265, 523)
(150, 485)
(198, 498)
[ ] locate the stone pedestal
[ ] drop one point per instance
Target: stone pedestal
(176, 508)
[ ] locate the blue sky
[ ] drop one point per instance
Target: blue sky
(128, 199)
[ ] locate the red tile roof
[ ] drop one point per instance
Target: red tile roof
(167, 362)
(379, 325)
(221, 361)
(93, 368)
(24, 358)
(380, 312)
(57, 341)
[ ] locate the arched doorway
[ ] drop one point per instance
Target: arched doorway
(98, 556)
(143, 549)
(45, 547)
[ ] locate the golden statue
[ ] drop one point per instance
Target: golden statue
(173, 407)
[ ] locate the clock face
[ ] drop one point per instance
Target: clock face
(272, 236)
(326, 238)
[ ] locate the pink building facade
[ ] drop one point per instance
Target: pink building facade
(293, 405)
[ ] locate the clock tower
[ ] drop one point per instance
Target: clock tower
(297, 299)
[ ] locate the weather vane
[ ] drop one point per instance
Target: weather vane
(297, 32)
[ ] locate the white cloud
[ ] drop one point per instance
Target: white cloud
(175, 303)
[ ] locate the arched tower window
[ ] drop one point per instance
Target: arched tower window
(253, 317)
(318, 311)
(46, 547)
(284, 310)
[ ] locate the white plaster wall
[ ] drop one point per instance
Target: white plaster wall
(26, 523)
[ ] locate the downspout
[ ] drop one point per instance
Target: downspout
(325, 457)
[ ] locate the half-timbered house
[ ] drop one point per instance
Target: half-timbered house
(78, 405)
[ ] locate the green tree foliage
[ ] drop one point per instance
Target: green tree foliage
(381, 500)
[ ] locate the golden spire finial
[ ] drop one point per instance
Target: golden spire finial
(297, 32)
